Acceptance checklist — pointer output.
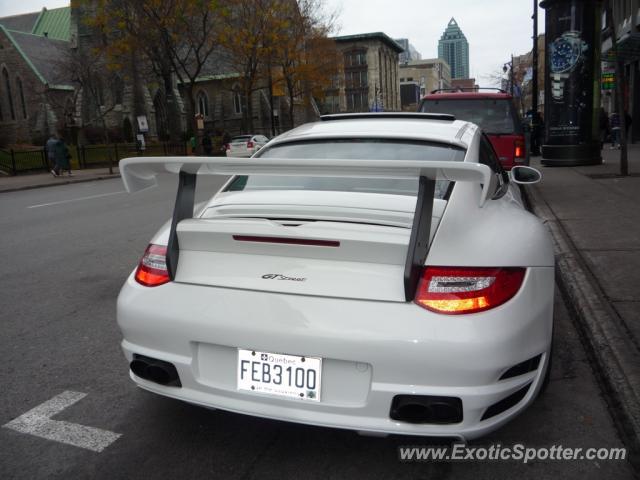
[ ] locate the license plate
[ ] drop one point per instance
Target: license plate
(281, 375)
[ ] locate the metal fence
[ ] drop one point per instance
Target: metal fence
(14, 162)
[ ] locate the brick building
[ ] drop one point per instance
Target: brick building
(368, 77)
(423, 76)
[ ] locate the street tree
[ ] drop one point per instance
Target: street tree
(306, 58)
(97, 102)
(176, 37)
(249, 36)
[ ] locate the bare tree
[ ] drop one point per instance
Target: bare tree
(177, 37)
(97, 102)
(306, 57)
(249, 36)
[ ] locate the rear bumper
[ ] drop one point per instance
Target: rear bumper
(372, 352)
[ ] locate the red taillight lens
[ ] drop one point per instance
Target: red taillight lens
(249, 144)
(519, 149)
(453, 290)
(227, 146)
(152, 270)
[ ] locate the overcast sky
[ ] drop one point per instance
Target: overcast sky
(495, 29)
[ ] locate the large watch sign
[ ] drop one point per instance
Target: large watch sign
(572, 64)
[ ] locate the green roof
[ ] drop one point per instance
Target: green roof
(55, 23)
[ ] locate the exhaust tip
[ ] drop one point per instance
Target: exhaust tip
(139, 367)
(426, 409)
(154, 370)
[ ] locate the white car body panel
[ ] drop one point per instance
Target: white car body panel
(397, 347)
(350, 310)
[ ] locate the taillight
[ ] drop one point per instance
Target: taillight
(456, 290)
(227, 146)
(249, 144)
(519, 149)
(152, 270)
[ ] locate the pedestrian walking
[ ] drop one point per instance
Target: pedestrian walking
(62, 157)
(207, 145)
(193, 142)
(603, 125)
(614, 123)
(49, 148)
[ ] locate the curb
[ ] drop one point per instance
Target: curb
(59, 183)
(615, 358)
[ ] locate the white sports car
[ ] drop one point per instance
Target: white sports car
(374, 272)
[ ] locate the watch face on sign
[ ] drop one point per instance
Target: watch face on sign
(563, 56)
(566, 52)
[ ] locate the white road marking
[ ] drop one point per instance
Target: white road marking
(76, 199)
(37, 421)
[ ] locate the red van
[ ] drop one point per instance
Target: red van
(494, 112)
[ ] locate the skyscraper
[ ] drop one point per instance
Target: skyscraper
(410, 54)
(454, 49)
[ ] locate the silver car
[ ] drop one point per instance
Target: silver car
(245, 145)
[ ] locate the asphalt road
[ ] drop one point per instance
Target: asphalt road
(65, 252)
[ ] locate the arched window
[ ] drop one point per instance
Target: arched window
(69, 113)
(21, 93)
(117, 89)
(237, 100)
(162, 123)
(99, 92)
(7, 86)
(203, 104)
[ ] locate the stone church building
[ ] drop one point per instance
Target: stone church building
(50, 80)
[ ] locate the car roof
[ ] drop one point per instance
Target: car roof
(405, 126)
(466, 95)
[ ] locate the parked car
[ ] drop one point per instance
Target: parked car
(493, 111)
(245, 145)
(374, 272)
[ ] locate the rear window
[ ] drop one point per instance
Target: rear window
(351, 149)
(493, 115)
(241, 138)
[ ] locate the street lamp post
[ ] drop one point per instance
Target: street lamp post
(535, 118)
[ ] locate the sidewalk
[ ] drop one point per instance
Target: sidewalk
(37, 180)
(594, 218)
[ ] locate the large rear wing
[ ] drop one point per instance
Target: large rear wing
(140, 173)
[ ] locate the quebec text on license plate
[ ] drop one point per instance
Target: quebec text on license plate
(277, 374)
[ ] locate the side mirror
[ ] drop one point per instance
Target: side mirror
(524, 175)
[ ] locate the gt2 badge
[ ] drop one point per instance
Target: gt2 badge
(277, 276)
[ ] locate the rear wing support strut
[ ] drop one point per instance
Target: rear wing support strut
(185, 199)
(419, 240)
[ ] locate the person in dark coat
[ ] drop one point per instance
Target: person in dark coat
(207, 146)
(62, 157)
(603, 127)
(49, 148)
(614, 122)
